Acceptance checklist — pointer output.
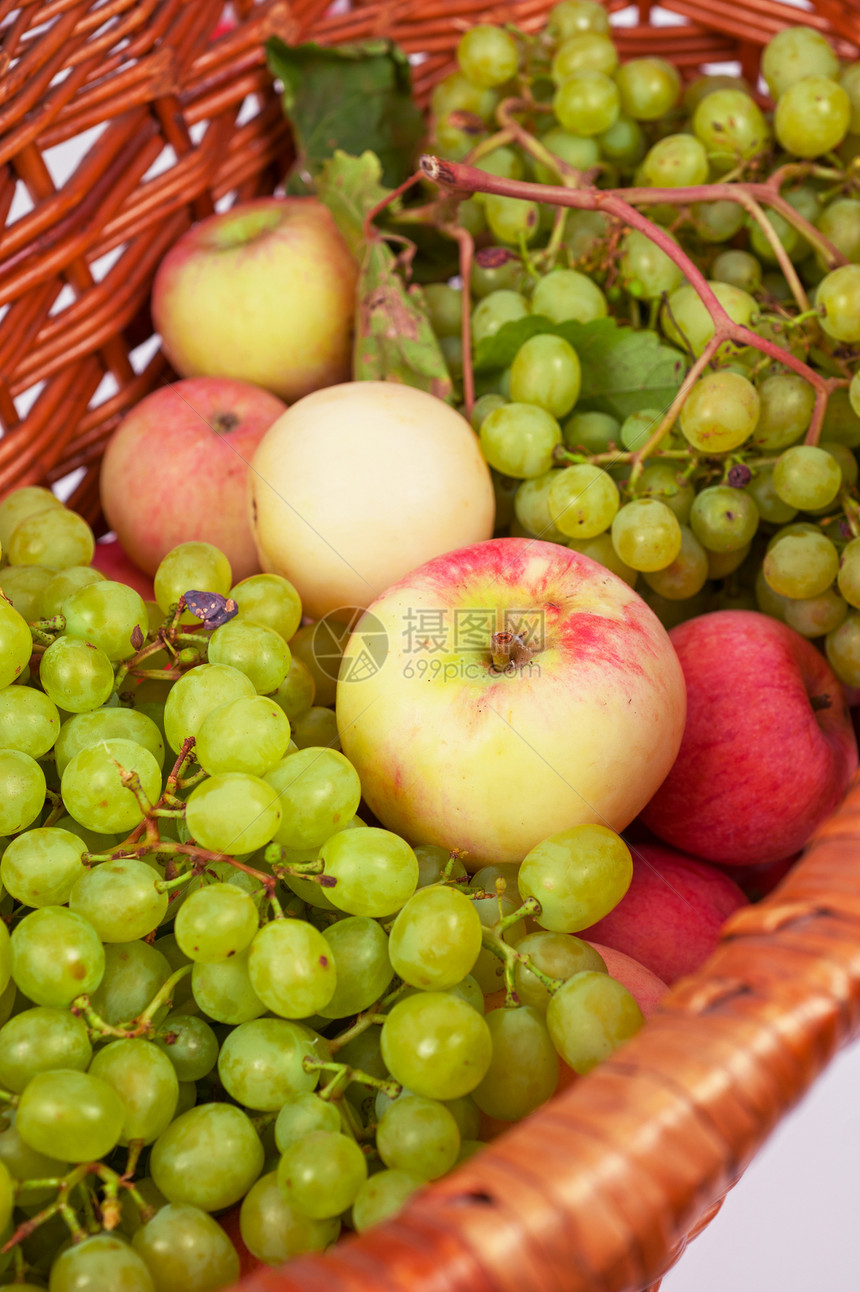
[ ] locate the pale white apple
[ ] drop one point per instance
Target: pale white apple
(264, 292)
(356, 485)
(175, 470)
(452, 752)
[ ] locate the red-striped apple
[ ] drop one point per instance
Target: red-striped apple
(525, 689)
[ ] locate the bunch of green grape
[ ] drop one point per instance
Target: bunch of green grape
(731, 508)
(219, 986)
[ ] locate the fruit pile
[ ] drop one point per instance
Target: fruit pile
(295, 915)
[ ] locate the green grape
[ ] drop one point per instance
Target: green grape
(546, 372)
(191, 567)
(566, 294)
(731, 126)
(647, 272)
(812, 116)
(456, 93)
(739, 269)
(636, 429)
(453, 1052)
(794, 53)
(770, 506)
(20, 503)
(275, 1232)
(101, 1261)
(119, 899)
(646, 534)
(668, 484)
(78, 677)
(208, 1157)
(433, 862)
(593, 432)
(190, 1045)
(233, 812)
(601, 550)
(494, 311)
(574, 150)
(842, 647)
(531, 507)
(559, 955)
(185, 1250)
(577, 875)
(297, 692)
(22, 791)
(584, 233)
(847, 464)
(507, 164)
(260, 1064)
(215, 923)
(84, 730)
(376, 872)
(850, 82)
(382, 1196)
(519, 439)
(223, 990)
(788, 236)
(687, 322)
(16, 644)
(584, 51)
(687, 574)
(63, 584)
(720, 412)
(436, 939)
(583, 501)
(318, 792)
(723, 518)
(257, 651)
(133, 974)
(569, 17)
(523, 1071)
(590, 1017)
(320, 1174)
(146, 1082)
(314, 729)
(587, 103)
(511, 218)
(41, 1040)
(801, 565)
(250, 735)
(291, 968)
(41, 867)
(193, 697)
(303, 1113)
(106, 614)
(840, 223)
(25, 1165)
(359, 948)
(624, 143)
(839, 297)
(469, 990)
(56, 956)
(444, 305)
(487, 55)
(69, 1114)
(648, 88)
(93, 792)
(717, 221)
(786, 406)
(24, 586)
(508, 276)
(848, 578)
(482, 408)
(57, 535)
(807, 477)
(841, 418)
(419, 1136)
(816, 616)
(675, 161)
(269, 600)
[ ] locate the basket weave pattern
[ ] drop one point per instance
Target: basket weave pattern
(601, 1189)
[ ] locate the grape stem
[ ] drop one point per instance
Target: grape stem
(366, 1019)
(143, 1025)
(466, 246)
(347, 1074)
(457, 177)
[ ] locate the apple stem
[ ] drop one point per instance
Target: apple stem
(509, 649)
(820, 702)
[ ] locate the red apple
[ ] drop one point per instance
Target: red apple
(644, 985)
(111, 558)
(264, 292)
(768, 750)
(671, 915)
(176, 470)
(457, 750)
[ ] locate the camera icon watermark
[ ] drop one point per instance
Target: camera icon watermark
(350, 644)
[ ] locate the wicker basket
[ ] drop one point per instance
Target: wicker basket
(602, 1188)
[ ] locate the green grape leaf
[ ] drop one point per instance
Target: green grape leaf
(622, 370)
(352, 97)
(350, 187)
(394, 340)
